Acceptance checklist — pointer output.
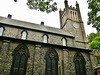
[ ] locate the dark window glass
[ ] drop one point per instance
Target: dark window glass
(77, 67)
(22, 65)
(16, 64)
(51, 64)
(19, 62)
(80, 65)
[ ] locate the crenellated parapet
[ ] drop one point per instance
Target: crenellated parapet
(71, 21)
(69, 13)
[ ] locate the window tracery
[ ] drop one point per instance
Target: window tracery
(51, 63)
(19, 61)
(79, 64)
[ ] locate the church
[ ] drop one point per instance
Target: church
(32, 49)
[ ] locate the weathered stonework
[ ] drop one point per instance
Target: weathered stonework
(37, 49)
(36, 63)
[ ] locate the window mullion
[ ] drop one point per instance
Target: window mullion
(53, 64)
(19, 61)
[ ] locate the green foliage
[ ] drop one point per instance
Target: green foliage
(94, 40)
(91, 37)
(93, 18)
(43, 5)
(95, 44)
(97, 39)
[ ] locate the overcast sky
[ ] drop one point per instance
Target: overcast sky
(20, 11)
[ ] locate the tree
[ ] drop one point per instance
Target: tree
(94, 13)
(42, 5)
(94, 40)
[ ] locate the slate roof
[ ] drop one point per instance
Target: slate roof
(28, 25)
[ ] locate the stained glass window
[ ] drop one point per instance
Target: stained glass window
(80, 65)
(19, 62)
(1, 31)
(51, 64)
(24, 35)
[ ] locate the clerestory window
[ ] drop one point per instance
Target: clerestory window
(45, 39)
(64, 42)
(24, 35)
(1, 31)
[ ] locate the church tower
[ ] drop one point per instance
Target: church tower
(71, 21)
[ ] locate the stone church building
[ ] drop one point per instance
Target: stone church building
(32, 49)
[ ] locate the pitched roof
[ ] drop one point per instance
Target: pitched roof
(34, 26)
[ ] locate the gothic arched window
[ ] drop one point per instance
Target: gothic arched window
(79, 64)
(24, 35)
(64, 42)
(45, 39)
(19, 63)
(1, 31)
(51, 62)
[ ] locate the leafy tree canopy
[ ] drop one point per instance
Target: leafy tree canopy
(94, 13)
(94, 40)
(42, 5)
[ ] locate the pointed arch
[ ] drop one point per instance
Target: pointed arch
(20, 57)
(24, 34)
(45, 38)
(79, 54)
(64, 41)
(79, 64)
(1, 30)
(51, 62)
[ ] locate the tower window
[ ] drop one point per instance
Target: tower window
(79, 64)
(64, 42)
(1, 31)
(24, 35)
(71, 13)
(45, 38)
(51, 63)
(75, 13)
(19, 63)
(75, 16)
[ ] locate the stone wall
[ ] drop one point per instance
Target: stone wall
(69, 66)
(36, 64)
(37, 36)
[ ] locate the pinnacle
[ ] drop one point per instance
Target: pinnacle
(76, 2)
(60, 9)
